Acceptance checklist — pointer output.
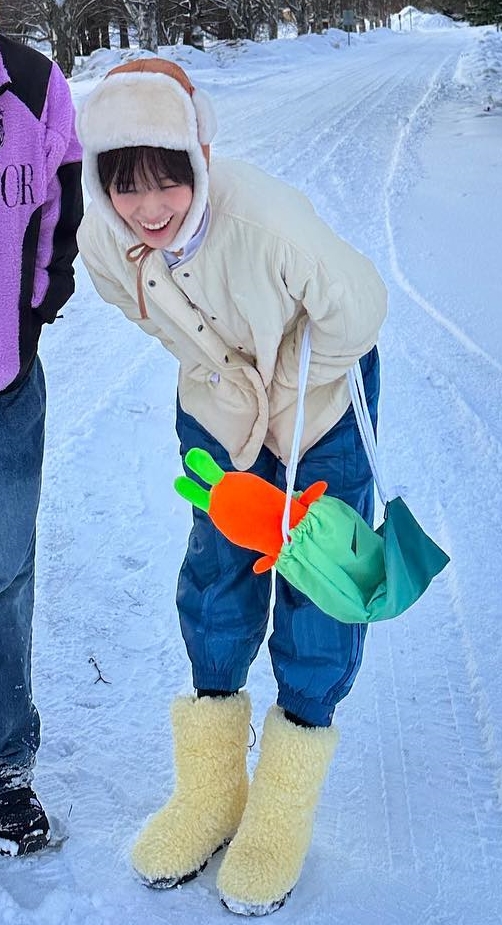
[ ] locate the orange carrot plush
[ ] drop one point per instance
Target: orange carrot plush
(244, 507)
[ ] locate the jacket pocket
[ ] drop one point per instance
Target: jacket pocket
(230, 406)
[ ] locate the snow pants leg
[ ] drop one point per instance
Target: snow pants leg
(224, 606)
(22, 416)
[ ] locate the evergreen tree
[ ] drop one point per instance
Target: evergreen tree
(483, 12)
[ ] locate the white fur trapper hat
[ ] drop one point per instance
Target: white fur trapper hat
(149, 101)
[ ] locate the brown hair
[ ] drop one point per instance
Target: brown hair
(122, 167)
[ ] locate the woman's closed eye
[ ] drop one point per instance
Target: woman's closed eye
(131, 190)
(120, 191)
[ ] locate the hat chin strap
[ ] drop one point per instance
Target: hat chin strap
(138, 253)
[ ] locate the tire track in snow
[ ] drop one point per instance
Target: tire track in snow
(397, 166)
(487, 778)
(469, 436)
(338, 119)
(346, 121)
(293, 102)
(462, 717)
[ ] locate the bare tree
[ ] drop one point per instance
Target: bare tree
(57, 21)
(143, 15)
(79, 26)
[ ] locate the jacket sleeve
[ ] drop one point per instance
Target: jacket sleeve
(107, 283)
(343, 295)
(62, 210)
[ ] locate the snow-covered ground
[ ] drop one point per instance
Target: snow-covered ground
(398, 141)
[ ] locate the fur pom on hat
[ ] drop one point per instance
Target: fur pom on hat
(151, 102)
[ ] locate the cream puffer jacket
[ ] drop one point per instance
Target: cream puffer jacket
(234, 314)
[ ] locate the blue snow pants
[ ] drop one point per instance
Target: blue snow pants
(224, 606)
(22, 417)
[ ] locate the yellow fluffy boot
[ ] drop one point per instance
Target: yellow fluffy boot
(210, 747)
(265, 859)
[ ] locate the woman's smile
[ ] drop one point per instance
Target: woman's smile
(155, 213)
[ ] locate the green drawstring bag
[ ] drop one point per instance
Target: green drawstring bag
(354, 573)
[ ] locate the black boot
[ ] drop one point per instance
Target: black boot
(24, 827)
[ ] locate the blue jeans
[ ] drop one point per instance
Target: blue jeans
(22, 416)
(224, 606)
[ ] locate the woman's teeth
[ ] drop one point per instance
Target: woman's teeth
(155, 227)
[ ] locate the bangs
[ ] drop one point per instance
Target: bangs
(150, 167)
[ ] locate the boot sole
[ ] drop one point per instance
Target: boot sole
(241, 908)
(29, 845)
(168, 883)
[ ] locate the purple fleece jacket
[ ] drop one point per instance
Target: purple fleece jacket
(40, 202)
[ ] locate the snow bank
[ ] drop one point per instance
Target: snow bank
(410, 18)
(480, 69)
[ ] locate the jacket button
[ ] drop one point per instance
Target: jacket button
(151, 282)
(186, 274)
(201, 327)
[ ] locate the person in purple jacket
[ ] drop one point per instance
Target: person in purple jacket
(40, 210)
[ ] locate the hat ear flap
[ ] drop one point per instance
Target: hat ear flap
(206, 116)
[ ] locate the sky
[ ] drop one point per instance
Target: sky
(397, 141)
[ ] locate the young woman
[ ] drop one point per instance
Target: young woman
(225, 265)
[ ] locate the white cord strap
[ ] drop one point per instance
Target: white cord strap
(303, 372)
(364, 423)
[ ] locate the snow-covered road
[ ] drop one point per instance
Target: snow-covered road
(382, 137)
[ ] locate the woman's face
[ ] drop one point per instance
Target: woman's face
(155, 215)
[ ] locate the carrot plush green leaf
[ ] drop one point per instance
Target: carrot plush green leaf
(202, 463)
(193, 492)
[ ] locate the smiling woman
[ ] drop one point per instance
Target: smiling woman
(235, 263)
